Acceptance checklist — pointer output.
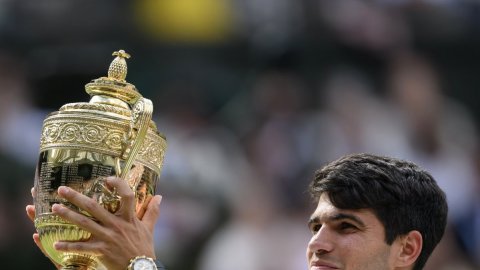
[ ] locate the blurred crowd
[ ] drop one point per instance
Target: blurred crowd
(253, 96)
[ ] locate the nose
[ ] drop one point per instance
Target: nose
(321, 242)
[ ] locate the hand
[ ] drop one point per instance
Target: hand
(116, 238)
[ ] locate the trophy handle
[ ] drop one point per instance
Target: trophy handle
(141, 117)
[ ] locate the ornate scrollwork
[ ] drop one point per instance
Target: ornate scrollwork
(153, 152)
(70, 132)
(114, 140)
(50, 133)
(94, 134)
(84, 134)
(102, 136)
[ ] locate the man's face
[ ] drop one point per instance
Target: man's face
(347, 239)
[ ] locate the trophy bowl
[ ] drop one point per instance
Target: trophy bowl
(82, 144)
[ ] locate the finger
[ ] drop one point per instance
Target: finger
(78, 219)
(127, 206)
(36, 239)
(86, 203)
(152, 213)
(81, 247)
(143, 207)
(30, 212)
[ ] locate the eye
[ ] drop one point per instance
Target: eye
(347, 227)
(315, 228)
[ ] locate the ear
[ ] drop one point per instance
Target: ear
(410, 248)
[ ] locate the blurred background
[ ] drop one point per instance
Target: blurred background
(253, 96)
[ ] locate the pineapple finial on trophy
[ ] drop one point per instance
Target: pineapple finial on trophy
(103, 89)
(118, 67)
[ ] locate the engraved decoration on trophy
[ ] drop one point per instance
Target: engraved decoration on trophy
(83, 143)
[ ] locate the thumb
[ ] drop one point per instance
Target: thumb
(152, 213)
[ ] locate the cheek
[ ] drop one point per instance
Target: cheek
(366, 255)
(352, 248)
(352, 244)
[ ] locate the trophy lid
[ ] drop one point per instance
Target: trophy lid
(114, 86)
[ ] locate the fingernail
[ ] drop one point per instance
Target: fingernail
(57, 208)
(32, 191)
(36, 238)
(62, 190)
(160, 200)
(58, 245)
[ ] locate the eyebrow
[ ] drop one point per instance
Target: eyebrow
(338, 216)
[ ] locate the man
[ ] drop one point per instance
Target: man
(374, 213)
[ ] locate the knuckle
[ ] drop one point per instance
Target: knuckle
(68, 246)
(101, 248)
(90, 205)
(110, 233)
(83, 221)
(116, 229)
(76, 246)
(130, 195)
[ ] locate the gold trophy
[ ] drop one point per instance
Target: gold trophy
(82, 144)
